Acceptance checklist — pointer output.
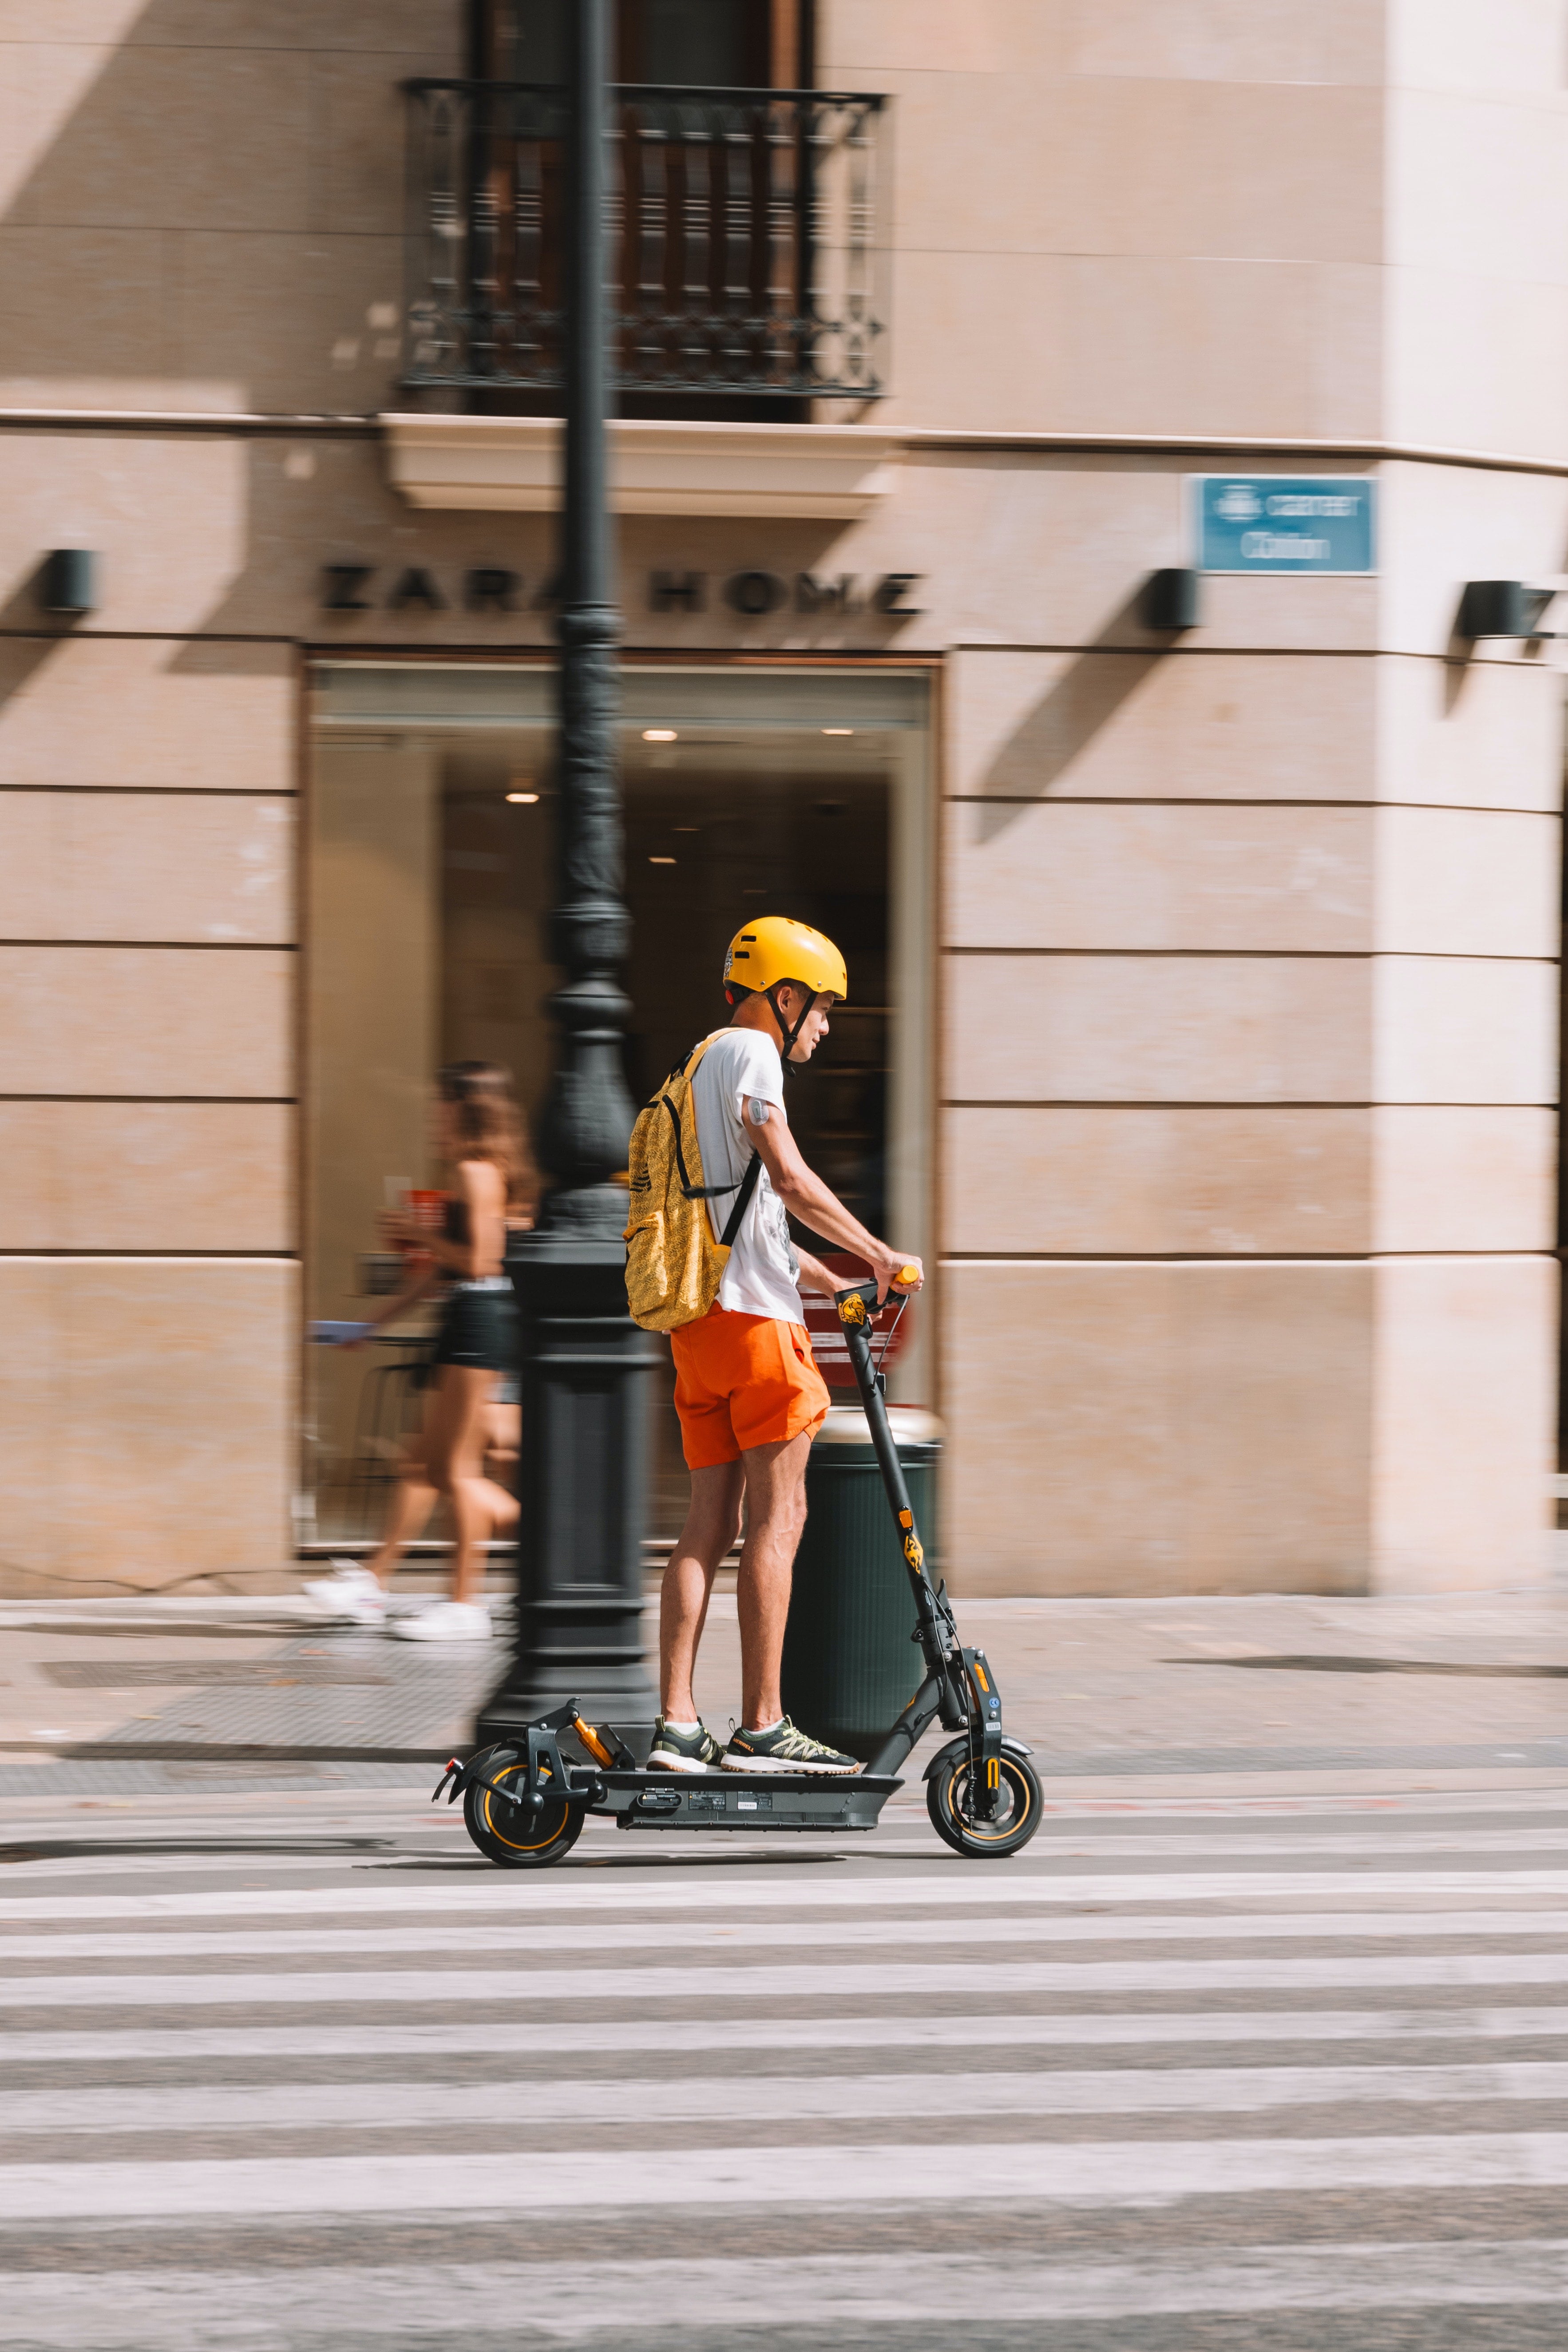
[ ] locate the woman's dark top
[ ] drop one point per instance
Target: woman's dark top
(478, 1326)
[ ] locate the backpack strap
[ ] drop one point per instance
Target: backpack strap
(747, 1186)
(693, 1192)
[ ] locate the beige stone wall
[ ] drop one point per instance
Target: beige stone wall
(1131, 216)
(200, 210)
(1248, 1144)
(201, 201)
(147, 1062)
(1250, 1069)
(1475, 307)
(146, 1132)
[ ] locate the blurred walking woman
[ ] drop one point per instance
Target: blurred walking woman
(479, 1135)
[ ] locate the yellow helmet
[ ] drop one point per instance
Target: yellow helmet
(776, 948)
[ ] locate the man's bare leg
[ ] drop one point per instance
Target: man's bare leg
(713, 1522)
(775, 1517)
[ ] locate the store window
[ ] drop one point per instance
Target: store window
(748, 788)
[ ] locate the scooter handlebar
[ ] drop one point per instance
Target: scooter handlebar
(897, 1290)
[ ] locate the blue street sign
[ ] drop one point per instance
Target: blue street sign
(1277, 522)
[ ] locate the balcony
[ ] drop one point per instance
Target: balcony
(743, 224)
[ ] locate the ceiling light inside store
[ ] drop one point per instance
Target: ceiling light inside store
(661, 861)
(528, 798)
(838, 730)
(659, 735)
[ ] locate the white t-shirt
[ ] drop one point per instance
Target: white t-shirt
(742, 1065)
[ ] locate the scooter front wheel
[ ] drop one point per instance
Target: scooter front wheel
(949, 1800)
(516, 1840)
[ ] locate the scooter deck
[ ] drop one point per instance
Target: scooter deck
(739, 1801)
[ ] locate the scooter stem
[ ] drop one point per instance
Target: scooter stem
(856, 1309)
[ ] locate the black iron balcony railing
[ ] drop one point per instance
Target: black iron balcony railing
(743, 221)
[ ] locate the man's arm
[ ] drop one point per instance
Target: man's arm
(806, 1196)
(816, 1277)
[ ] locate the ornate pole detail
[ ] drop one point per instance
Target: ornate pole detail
(584, 1362)
(588, 1120)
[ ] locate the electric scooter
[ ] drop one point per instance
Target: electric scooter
(525, 1801)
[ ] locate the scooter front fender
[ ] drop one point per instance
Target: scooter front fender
(956, 1749)
(462, 1772)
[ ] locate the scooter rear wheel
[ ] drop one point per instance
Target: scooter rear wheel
(956, 1820)
(505, 1834)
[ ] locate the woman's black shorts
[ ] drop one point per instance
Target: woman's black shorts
(479, 1330)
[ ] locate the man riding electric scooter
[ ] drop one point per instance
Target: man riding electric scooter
(724, 1284)
(749, 1397)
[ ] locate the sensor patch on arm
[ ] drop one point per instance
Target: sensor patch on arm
(758, 1111)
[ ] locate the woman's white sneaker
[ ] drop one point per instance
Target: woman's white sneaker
(445, 1621)
(350, 1595)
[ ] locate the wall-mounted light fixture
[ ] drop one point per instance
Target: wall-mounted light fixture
(1504, 608)
(1171, 601)
(68, 581)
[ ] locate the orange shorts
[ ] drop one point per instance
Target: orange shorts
(743, 1381)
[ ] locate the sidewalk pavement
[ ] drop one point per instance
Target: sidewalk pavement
(1277, 1696)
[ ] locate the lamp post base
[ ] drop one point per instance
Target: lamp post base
(581, 1477)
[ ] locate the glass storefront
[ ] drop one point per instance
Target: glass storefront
(748, 789)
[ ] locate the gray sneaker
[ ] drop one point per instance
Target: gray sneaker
(784, 1750)
(682, 1751)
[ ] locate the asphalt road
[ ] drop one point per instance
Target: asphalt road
(1285, 2069)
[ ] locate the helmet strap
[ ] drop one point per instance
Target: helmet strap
(788, 1034)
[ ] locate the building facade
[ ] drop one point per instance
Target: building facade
(1203, 954)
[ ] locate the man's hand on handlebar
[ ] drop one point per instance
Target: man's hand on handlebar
(894, 1272)
(897, 1271)
(888, 1266)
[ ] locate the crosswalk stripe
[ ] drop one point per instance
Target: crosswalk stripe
(960, 1887)
(45, 1869)
(1102, 2172)
(1180, 1845)
(1301, 1927)
(764, 1981)
(194, 2045)
(451, 2302)
(513, 2106)
(1248, 1844)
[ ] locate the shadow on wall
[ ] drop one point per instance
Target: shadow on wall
(205, 201)
(1461, 651)
(28, 634)
(1086, 698)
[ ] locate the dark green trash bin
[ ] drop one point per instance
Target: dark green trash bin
(850, 1666)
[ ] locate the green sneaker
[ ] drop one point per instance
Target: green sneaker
(783, 1749)
(682, 1751)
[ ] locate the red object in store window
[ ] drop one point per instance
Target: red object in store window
(430, 1210)
(827, 1333)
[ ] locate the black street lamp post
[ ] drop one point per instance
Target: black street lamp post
(584, 1362)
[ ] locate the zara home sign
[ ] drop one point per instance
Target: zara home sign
(493, 588)
(1279, 522)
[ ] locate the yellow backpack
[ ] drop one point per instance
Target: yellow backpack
(674, 1265)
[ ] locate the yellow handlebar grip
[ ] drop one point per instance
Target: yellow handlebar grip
(907, 1274)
